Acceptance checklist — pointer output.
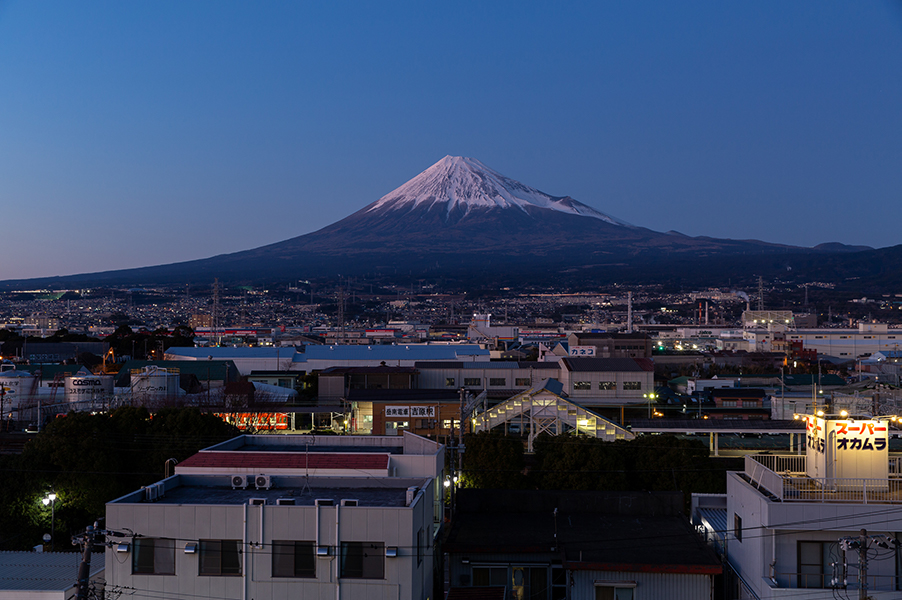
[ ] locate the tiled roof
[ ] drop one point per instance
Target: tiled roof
(286, 460)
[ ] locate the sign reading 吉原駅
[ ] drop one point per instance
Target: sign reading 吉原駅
(425, 412)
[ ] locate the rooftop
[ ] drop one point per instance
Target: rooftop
(290, 489)
(595, 530)
(42, 571)
(608, 364)
(271, 459)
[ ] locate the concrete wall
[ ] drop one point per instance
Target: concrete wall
(772, 530)
(395, 527)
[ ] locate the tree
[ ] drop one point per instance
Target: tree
(493, 461)
(89, 460)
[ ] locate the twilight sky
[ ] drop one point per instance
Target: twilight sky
(143, 133)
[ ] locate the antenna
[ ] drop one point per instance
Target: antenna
(760, 293)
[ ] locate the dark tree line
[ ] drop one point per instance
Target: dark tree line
(89, 460)
(646, 463)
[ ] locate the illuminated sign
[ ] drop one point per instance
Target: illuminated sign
(847, 448)
(410, 411)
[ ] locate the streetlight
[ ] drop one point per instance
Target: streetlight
(51, 500)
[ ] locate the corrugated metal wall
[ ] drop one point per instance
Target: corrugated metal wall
(649, 586)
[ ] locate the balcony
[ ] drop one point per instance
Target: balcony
(782, 478)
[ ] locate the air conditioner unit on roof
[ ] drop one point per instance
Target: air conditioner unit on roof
(239, 481)
(263, 482)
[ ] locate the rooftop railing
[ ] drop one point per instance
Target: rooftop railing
(782, 477)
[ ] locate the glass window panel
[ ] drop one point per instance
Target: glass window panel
(164, 557)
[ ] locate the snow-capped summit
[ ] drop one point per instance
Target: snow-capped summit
(458, 185)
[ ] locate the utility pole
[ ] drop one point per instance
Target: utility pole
(863, 565)
(84, 569)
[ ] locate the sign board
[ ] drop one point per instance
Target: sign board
(585, 351)
(405, 412)
(847, 448)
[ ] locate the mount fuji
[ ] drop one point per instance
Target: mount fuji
(461, 218)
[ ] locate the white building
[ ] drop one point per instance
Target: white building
(791, 520)
(285, 517)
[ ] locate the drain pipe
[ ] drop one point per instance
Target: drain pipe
(245, 549)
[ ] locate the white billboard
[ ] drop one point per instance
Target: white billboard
(847, 448)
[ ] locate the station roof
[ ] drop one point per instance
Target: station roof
(715, 426)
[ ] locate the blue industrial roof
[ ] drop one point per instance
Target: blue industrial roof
(389, 353)
(229, 353)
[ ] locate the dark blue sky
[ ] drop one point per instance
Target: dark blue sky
(135, 134)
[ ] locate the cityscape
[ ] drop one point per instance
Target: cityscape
(484, 301)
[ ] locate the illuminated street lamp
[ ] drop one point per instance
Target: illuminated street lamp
(51, 500)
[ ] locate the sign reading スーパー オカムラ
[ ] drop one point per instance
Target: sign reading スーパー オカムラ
(847, 448)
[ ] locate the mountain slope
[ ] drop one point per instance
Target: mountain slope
(461, 217)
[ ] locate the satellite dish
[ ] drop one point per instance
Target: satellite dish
(46, 538)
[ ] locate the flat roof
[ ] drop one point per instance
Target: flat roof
(302, 495)
(268, 459)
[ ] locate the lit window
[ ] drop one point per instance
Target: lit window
(472, 382)
(582, 385)
(632, 385)
(449, 382)
(607, 385)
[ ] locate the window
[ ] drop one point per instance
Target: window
(582, 385)
(749, 404)
(421, 545)
(522, 382)
(363, 560)
(815, 569)
(613, 592)
(153, 556)
(558, 583)
(607, 385)
(730, 403)
(632, 385)
(450, 382)
(497, 381)
(737, 527)
(220, 557)
(293, 559)
(475, 381)
(485, 576)
(450, 424)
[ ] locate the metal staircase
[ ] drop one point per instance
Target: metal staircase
(546, 412)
